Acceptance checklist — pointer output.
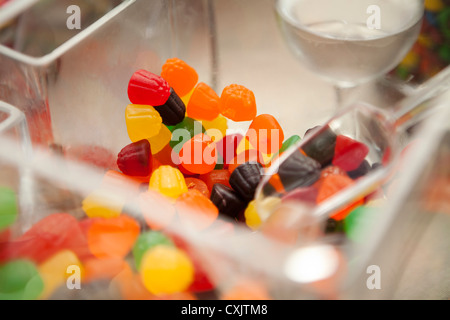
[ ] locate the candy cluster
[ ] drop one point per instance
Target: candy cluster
(431, 52)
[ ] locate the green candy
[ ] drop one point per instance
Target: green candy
(219, 164)
(20, 280)
(8, 207)
(359, 221)
(146, 241)
(287, 143)
(184, 131)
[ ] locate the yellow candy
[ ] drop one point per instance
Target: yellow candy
(425, 41)
(101, 204)
(434, 5)
(169, 181)
(252, 218)
(159, 141)
(244, 145)
(187, 97)
(166, 270)
(60, 269)
(142, 121)
(220, 123)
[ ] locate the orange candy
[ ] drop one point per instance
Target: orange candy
(204, 103)
(199, 154)
(266, 134)
(237, 103)
(112, 237)
(105, 268)
(180, 76)
(194, 208)
(197, 184)
(332, 184)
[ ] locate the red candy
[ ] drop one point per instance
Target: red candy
(136, 159)
(216, 176)
(48, 236)
(148, 88)
(348, 153)
(227, 146)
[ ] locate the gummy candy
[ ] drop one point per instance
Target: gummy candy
(227, 147)
(103, 268)
(199, 155)
(180, 76)
(161, 140)
(216, 126)
(252, 218)
(8, 207)
(299, 171)
(200, 185)
(173, 111)
(362, 170)
(20, 280)
(55, 271)
(321, 147)
(227, 200)
(168, 181)
(100, 203)
(216, 176)
(237, 103)
(331, 185)
(142, 122)
(135, 159)
(349, 153)
(245, 178)
(148, 88)
(112, 237)
(146, 241)
(195, 209)
(184, 131)
(266, 134)
(204, 103)
(51, 234)
(166, 270)
(292, 140)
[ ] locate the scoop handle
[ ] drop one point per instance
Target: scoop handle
(414, 108)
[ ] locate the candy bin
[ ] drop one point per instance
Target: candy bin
(409, 243)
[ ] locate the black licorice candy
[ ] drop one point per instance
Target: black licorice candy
(298, 170)
(227, 200)
(173, 111)
(245, 179)
(321, 147)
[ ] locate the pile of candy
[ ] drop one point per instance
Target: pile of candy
(181, 166)
(431, 52)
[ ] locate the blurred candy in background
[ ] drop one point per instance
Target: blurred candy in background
(431, 52)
